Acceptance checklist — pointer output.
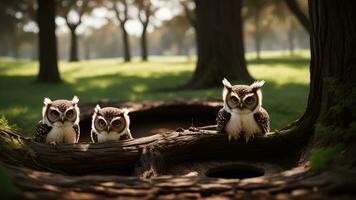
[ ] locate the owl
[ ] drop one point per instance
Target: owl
(242, 113)
(60, 122)
(110, 124)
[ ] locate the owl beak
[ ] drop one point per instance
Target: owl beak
(241, 105)
(62, 119)
(108, 129)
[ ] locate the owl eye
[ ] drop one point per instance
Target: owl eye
(101, 123)
(234, 99)
(116, 123)
(249, 100)
(69, 113)
(55, 113)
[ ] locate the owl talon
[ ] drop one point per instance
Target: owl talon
(247, 137)
(53, 144)
(234, 137)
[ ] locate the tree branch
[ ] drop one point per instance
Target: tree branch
(298, 13)
(189, 14)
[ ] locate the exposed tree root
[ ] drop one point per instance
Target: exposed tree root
(153, 167)
(297, 183)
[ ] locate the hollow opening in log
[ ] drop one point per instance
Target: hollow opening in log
(236, 171)
(163, 118)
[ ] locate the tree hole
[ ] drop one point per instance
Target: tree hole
(236, 171)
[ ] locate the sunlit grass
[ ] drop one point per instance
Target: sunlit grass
(285, 91)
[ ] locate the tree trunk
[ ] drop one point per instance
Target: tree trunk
(47, 42)
(220, 44)
(87, 51)
(126, 44)
(15, 43)
(257, 34)
(298, 13)
(144, 50)
(333, 68)
(73, 57)
(291, 41)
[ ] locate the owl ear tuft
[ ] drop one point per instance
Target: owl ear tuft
(226, 84)
(47, 101)
(257, 85)
(97, 108)
(75, 100)
(125, 111)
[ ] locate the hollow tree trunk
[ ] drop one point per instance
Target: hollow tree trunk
(126, 44)
(298, 13)
(47, 42)
(73, 53)
(144, 50)
(220, 44)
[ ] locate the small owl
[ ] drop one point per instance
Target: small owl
(110, 124)
(242, 113)
(60, 122)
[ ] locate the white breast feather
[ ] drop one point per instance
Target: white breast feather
(242, 123)
(65, 134)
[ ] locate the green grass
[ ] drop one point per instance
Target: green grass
(285, 91)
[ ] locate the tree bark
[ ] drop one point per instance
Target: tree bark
(298, 13)
(144, 50)
(47, 42)
(333, 66)
(73, 53)
(220, 44)
(126, 43)
(44, 185)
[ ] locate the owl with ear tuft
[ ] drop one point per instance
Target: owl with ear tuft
(60, 122)
(242, 113)
(110, 124)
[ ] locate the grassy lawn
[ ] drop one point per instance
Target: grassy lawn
(285, 92)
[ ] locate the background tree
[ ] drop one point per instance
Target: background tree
(175, 31)
(260, 20)
(189, 11)
(298, 12)
(145, 11)
(14, 14)
(72, 12)
(120, 7)
(220, 44)
(47, 42)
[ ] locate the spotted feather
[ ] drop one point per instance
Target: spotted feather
(222, 119)
(42, 131)
(262, 119)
